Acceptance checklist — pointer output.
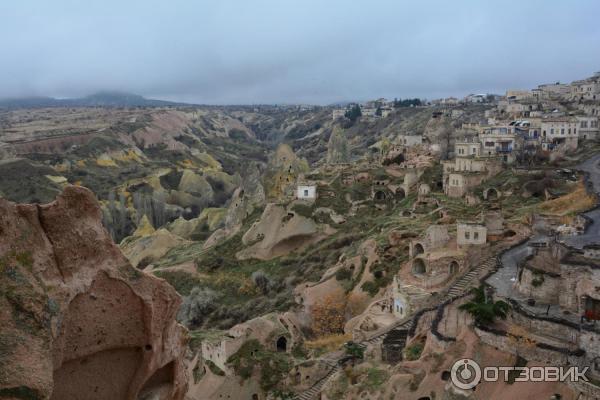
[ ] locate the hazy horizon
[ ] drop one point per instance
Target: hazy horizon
(269, 52)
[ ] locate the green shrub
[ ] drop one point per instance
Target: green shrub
(413, 352)
(274, 366)
(343, 274)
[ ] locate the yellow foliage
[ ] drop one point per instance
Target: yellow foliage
(249, 288)
(105, 162)
(328, 343)
(187, 163)
(144, 228)
(329, 314)
(129, 155)
(80, 163)
(574, 202)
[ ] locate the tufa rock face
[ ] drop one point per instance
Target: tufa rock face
(77, 320)
(337, 147)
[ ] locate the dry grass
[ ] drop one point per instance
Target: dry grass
(328, 343)
(574, 202)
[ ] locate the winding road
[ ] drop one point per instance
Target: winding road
(503, 280)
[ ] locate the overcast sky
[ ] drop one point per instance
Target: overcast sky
(293, 51)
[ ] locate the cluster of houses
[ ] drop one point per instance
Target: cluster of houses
(551, 117)
(379, 108)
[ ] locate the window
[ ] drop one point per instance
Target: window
(305, 192)
(467, 235)
(475, 235)
(552, 131)
(562, 131)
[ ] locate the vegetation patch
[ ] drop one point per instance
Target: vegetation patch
(273, 366)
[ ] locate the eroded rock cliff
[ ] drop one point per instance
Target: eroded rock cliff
(77, 321)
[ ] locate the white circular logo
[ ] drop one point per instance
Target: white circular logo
(465, 374)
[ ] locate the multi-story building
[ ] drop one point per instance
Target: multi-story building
(518, 94)
(586, 89)
(559, 131)
(587, 127)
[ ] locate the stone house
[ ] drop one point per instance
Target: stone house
(467, 171)
(410, 140)
(587, 89)
(494, 224)
(437, 267)
(518, 94)
(435, 237)
(275, 332)
(587, 127)
(560, 131)
(554, 90)
(470, 234)
(467, 148)
(499, 141)
(338, 113)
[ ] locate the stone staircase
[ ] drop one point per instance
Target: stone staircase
(399, 330)
(467, 281)
(315, 389)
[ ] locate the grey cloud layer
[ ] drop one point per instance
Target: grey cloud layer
(259, 51)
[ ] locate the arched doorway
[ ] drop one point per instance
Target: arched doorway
(418, 266)
(282, 344)
(400, 193)
(418, 249)
(491, 194)
(453, 268)
(379, 195)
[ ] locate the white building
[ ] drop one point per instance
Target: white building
(306, 192)
(338, 113)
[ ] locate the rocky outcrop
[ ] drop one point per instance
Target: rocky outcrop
(282, 172)
(245, 199)
(337, 147)
(278, 232)
(77, 320)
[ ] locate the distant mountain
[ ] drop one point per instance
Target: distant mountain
(100, 99)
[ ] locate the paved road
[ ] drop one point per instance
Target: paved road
(592, 233)
(503, 280)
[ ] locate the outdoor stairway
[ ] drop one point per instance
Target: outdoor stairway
(461, 286)
(466, 282)
(315, 389)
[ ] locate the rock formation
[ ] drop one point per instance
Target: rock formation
(78, 321)
(282, 172)
(337, 147)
